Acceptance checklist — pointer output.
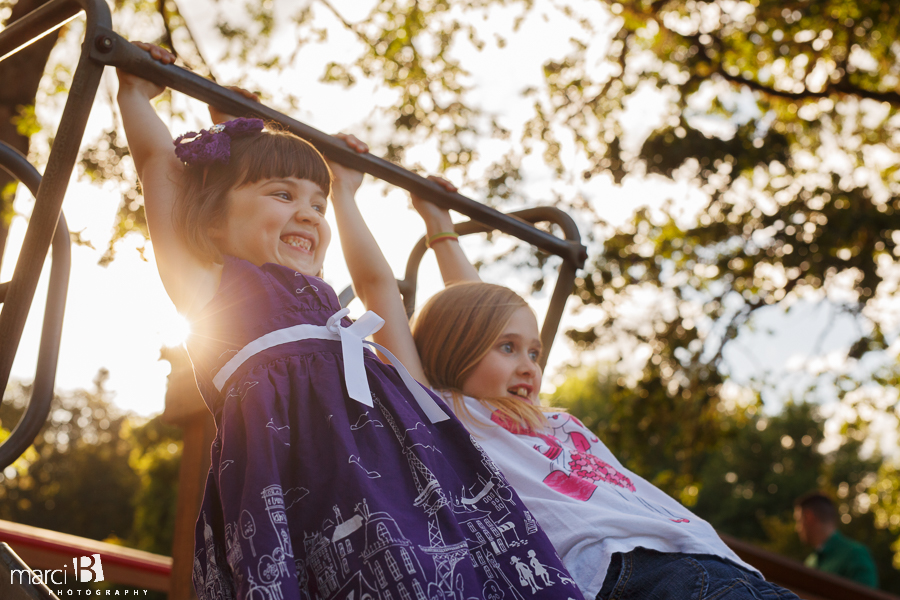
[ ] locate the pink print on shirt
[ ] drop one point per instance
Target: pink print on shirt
(590, 467)
(575, 475)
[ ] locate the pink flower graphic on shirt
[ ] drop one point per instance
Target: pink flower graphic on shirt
(590, 467)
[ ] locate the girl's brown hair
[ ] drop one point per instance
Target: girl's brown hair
(202, 200)
(455, 329)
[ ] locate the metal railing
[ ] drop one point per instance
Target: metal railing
(103, 47)
(809, 584)
(565, 280)
(38, 406)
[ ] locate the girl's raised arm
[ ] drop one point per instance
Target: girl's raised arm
(188, 281)
(373, 280)
(452, 261)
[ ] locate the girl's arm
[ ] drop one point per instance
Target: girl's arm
(188, 281)
(451, 259)
(373, 280)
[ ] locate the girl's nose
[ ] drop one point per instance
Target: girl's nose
(307, 214)
(527, 366)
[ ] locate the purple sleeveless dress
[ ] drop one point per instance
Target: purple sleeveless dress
(313, 495)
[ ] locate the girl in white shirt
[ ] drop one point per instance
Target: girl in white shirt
(618, 535)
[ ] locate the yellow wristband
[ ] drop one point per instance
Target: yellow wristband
(440, 237)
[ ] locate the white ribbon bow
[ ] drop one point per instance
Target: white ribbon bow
(352, 339)
(352, 347)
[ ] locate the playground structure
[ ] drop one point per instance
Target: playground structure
(103, 47)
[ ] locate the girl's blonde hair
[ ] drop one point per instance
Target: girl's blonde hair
(455, 330)
(201, 202)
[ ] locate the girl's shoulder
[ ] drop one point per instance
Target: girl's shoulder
(253, 301)
(268, 289)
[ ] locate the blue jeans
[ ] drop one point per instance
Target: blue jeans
(650, 575)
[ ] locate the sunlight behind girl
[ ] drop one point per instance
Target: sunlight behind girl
(174, 329)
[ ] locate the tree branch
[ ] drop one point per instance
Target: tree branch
(161, 8)
(193, 38)
(347, 24)
(842, 87)
(167, 36)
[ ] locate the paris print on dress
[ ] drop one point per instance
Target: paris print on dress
(314, 496)
(366, 555)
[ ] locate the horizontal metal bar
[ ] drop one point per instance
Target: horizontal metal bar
(564, 281)
(46, 549)
(37, 24)
(799, 578)
(109, 48)
(536, 214)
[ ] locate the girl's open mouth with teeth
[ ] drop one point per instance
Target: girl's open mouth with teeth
(520, 391)
(296, 241)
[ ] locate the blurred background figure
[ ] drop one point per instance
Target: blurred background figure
(817, 526)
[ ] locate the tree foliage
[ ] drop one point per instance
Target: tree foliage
(94, 471)
(77, 468)
(800, 187)
(782, 118)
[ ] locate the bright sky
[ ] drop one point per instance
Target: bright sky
(118, 317)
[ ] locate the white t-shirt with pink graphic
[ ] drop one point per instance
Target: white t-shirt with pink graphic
(589, 505)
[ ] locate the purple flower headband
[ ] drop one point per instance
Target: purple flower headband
(213, 144)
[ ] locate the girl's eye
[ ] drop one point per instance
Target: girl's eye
(283, 195)
(319, 207)
(534, 354)
(506, 347)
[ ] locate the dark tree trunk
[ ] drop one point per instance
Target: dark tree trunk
(20, 75)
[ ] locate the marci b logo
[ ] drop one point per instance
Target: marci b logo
(88, 568)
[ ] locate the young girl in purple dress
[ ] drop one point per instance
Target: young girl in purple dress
(334, 475)
(619, 536)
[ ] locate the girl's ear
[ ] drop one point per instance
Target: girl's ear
(216, 234)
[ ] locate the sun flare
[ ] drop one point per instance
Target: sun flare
(174, 330)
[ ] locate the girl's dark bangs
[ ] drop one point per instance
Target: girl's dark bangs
(275, 155)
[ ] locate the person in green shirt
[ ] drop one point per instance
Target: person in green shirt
(817, 526)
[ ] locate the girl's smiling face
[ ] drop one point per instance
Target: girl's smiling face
(278, 220)
(510, 368)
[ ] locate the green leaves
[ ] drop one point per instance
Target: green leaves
(774, 116)
(92, 460)
(26, 122)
